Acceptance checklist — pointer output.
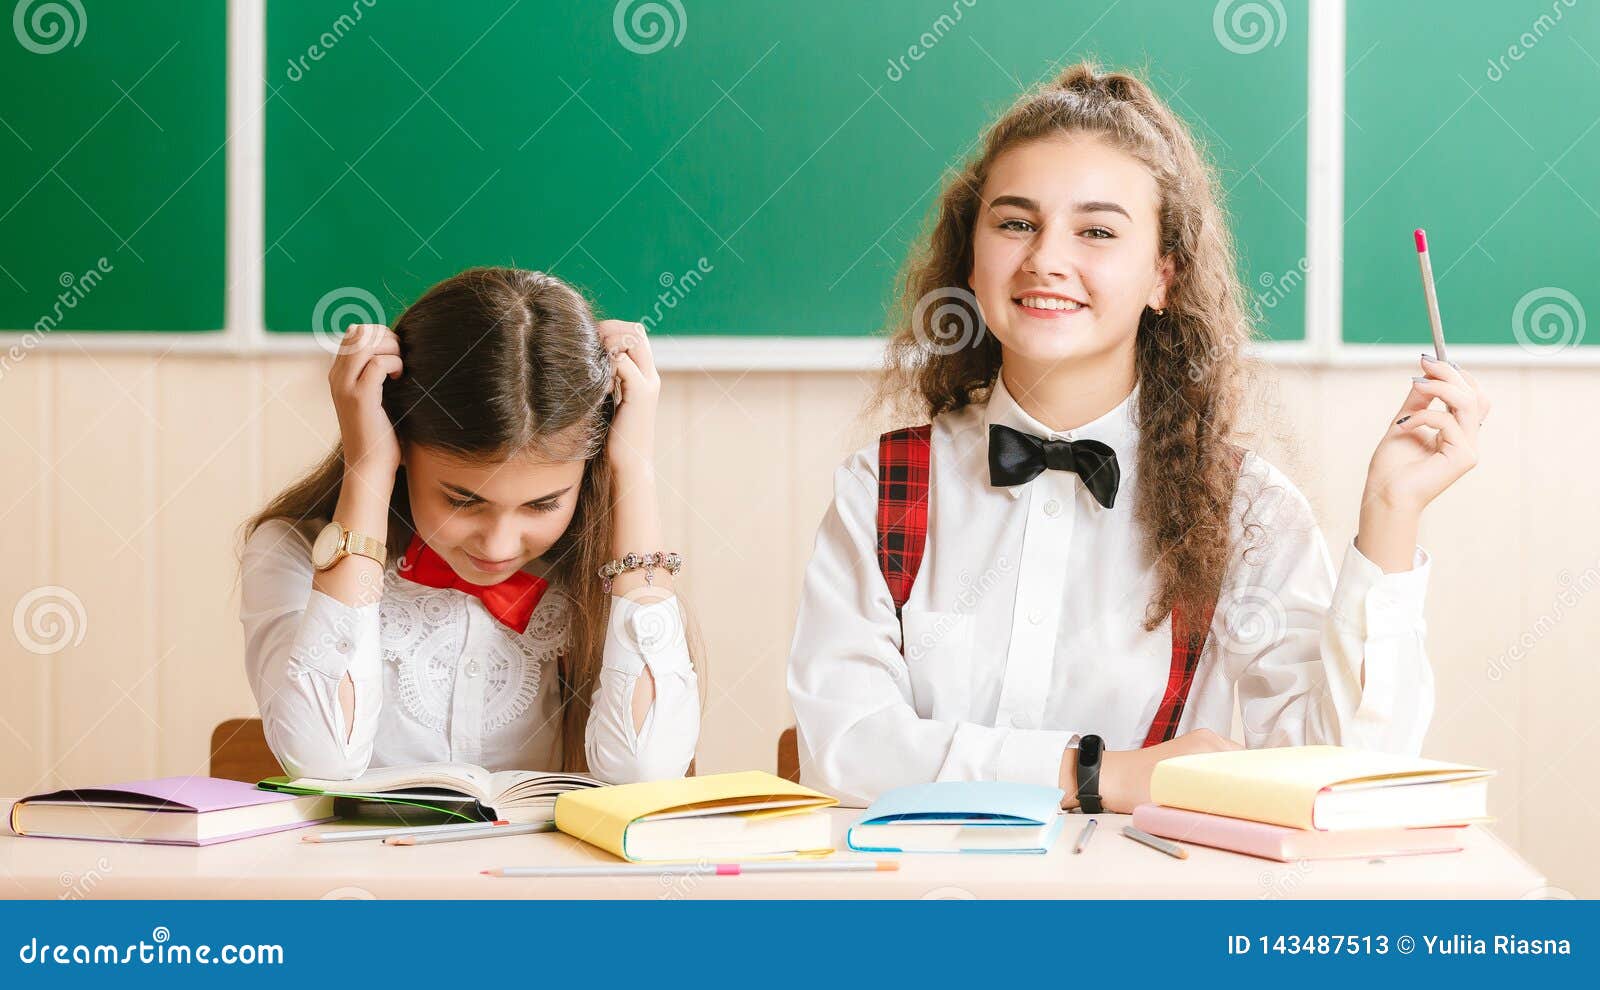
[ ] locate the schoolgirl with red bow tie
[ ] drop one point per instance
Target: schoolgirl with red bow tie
(476, 572)
(1073, 571)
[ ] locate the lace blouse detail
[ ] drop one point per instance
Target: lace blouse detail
(423, 633)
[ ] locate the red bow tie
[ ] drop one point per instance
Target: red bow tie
(512, 601)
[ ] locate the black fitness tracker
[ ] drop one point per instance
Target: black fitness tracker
(1090, 749)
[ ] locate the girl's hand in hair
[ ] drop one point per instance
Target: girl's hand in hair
(368, 354)
(1423, 451)
(631, 446)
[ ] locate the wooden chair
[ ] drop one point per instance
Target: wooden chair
(239, 751)
(789, 755)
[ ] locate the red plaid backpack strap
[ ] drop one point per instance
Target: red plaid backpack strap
(903, 457)
(1188, 642)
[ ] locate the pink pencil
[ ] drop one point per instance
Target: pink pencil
(1428, 291)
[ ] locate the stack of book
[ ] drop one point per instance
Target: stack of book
(1314, 802)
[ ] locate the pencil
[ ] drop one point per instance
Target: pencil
(487, 832)
(695, 869)
(1160, 845)
(1428, 292)
(352, 835)
(1084, 837)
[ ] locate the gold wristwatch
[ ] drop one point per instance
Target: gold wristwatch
(335, 543)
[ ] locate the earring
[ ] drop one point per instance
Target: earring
(1162, 311)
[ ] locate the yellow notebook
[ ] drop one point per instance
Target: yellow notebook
(1323, 787)
(745, 815)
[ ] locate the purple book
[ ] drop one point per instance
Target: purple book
(171, 811)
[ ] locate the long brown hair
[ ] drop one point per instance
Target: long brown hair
(500, 362)
(1190, 359)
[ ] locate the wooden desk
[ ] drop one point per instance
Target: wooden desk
(280, 865)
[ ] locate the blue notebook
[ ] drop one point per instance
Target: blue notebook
(961, 816)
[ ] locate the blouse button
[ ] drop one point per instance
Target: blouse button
(472, 668)
(1036, 617)
(344, 646)
(1052, 508)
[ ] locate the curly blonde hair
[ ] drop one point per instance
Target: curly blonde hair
(1191, 362)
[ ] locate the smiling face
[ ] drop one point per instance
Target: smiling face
(488, 519)
(1065, 250)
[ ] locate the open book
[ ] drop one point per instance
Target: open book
(512, 795)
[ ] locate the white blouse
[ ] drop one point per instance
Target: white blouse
(1024, 628)
(437, 678)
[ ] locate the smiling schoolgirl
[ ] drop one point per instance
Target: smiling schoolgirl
(1073, 571)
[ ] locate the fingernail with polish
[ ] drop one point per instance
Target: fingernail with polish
(1419, 378)
(1402, 419)
(1429, 358)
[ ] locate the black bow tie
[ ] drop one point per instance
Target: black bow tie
(1016, 458)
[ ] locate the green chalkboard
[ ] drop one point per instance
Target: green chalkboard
(760, 166)
(1487, 136)
(112, 198)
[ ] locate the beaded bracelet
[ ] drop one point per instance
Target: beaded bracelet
(670, 562)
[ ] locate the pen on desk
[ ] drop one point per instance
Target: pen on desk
(352, 835)
(1160, 845)
(1084, 836)
(694, 869)
(470, 833)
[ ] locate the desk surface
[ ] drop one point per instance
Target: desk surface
(280, 865)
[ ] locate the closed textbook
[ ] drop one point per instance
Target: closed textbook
(1288, 845)
(1323, 787)
(745, 815)
(961, 816)
(169, 811)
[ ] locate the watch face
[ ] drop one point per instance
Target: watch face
(327, 542)
(1089, 749)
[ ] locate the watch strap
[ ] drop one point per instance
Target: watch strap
(1089, 774)
(366, 546)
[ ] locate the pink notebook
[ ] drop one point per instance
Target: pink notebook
(1289, 844)
(174, 811)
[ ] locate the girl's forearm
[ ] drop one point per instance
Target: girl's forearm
(364, 508)
(1387, 535)
(356, 580)
(636, 528)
